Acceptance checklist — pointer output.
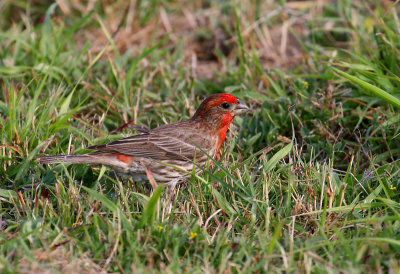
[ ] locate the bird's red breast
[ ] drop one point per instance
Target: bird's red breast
(225, 122)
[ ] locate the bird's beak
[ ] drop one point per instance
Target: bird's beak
(241, 108)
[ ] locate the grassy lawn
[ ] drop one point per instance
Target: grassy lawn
(308, 182)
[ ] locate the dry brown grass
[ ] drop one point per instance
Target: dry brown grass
(60, 259)
(203, 31)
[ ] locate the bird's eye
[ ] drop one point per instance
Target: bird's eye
(225, 105)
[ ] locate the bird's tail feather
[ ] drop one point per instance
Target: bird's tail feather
(73, 159)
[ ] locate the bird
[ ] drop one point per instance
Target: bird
(169, 152)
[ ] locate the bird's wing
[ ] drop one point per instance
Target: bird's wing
(153, 146)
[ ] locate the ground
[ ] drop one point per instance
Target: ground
(308, 182)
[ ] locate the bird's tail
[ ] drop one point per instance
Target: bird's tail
(72, 159)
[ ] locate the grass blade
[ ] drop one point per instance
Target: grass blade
(387, 97)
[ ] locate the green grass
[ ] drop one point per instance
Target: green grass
(309, 182)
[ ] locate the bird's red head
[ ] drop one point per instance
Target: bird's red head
(218, 105)
(219, 98)
(218, 111)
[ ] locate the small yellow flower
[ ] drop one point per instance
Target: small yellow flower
(192, 235)
(305, 84)
(392, 187)
(160, 227)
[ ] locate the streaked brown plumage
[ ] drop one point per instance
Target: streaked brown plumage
(169, 151)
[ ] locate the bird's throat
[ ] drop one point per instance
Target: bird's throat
(227, 119)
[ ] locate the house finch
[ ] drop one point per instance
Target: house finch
(168, 152)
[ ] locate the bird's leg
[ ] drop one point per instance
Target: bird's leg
(135, 185)
(171, 195)
(171, 190)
